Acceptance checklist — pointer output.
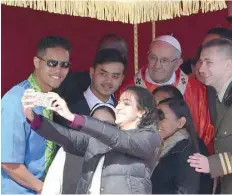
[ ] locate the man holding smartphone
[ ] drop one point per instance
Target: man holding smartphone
(27, 156)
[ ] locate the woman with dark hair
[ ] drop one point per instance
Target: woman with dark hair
(173, 175)
(116, 160)
(166, 91)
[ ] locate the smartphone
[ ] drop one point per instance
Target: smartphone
(43, 99)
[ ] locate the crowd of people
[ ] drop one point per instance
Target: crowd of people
(166, 131)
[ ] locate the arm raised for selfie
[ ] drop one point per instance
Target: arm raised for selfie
(72, 141)
(140, 143)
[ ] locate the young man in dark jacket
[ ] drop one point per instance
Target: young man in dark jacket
(216, 69)
(106, 74)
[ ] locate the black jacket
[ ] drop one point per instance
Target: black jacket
(130, 156)
(173, 174)
(212, 96)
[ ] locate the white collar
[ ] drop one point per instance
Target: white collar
(92, 100)
(223, 90)
(169, 82)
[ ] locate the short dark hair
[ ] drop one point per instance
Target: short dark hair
(144, 103)
(181, 109)
(225, 45)
(172, 91)
(109, 55)
(52, 42)
(102, 43)
(222, 32)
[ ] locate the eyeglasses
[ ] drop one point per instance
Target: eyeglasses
(163, 61)
(54, 63)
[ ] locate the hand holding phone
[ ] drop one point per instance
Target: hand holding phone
(43, 99)
(32, 98)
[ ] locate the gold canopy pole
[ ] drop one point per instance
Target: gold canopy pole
(153, 31)
(136, 64)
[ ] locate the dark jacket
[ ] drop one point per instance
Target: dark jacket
(221, 163)
(130, 156)
(173, 175)
(212, 96)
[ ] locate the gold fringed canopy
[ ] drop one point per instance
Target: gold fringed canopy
(126, 11)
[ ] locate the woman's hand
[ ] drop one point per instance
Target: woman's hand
(59, 105)
(199, 162)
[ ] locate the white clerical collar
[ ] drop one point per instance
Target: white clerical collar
(92, 100)
(223, 90)
(169, 82)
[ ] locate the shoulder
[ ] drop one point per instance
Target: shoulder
(73, 86)
(82, 79)
(151, 134)
(183, 148)
(80, 106)
(211, 90)
(13, 118)
(14, 95)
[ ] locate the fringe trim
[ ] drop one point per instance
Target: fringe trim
(126, 11)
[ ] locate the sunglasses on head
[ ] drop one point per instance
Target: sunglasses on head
(54, 63)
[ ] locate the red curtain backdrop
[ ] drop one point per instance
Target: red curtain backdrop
(23, 28)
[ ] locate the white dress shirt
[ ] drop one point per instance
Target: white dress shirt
(92, 100)
(223, 90)
(53, 183)
(96, 181)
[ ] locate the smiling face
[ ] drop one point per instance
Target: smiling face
(127, 114)
(197, 73)
(213, 66)
(170, 123)
(106, 79)
(162, 61)
(51, 77)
